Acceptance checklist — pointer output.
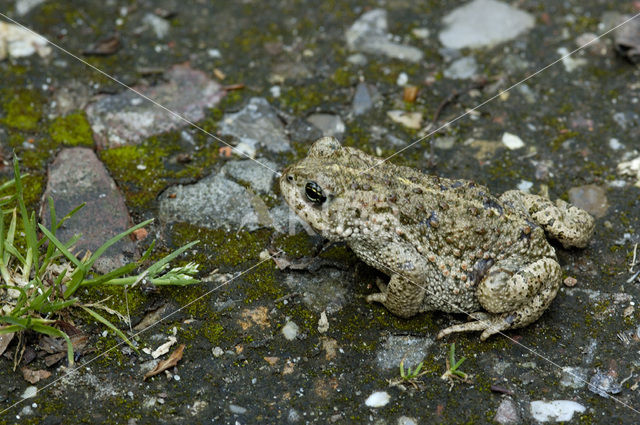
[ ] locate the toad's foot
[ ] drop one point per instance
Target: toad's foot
(489, 326)
(401, 296)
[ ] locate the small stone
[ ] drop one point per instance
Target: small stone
(445, 142)
(627, 39)
(406, 420)
(77, 176)
(512, 141)
(407, 349)
(378, 399)
(408, 119)
(362, 99)
(507, 413)
(615, 144)
(126, 119)
(369, 34)
(402, 79)
(329, 124)
(591, 198)
(573, 377)
(213, 202)
(290, 331)
(257, 125)
(357, 59)
(630, 168)
(570, 281)
(410, 93)
(259, 177)
(569, 61)
(238, 410)
(421, 33)
(217, 351)
(525, 186)
(17, 42)
(462, 68)
(159, 26)
(323, 323)
(30, 392)
(556, 410)
(604, 384)
(24, 6)
(293, 416)
(214, 54)
(483, 23)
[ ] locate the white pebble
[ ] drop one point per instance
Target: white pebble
(378, 399)
(556, 410)
(512, 141)
(30, 392)
(403, 79)
(290, 331)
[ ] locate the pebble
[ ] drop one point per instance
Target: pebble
(18, 42)
(402, 79)
(408, 119)
(573, 377)
(257, 125)
(512, 141)
(30, 392)
(421, 33)
(556, 410)
(570, 61)
(378, 399)
(217, 352)
(126, 119)
(159, 26)
(293, 416)
(259, 178)
(483, 23)
(290, 331)
(461, 69)
(406, 420)
(238, 410)
(590, 198)
(627, 39)
(615, 144)
(24, 6)
(213, 202)
(630, 168)
(395, 349)
(77, 176)
(369, 34)
(570, 281)
(329, 124)
(323, 323)
(604, 384)
(363, 98)
(525, 185)
(507, 413)
(328, 292)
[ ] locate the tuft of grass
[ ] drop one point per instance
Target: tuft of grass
(408, 376)
(38, 284)
(452, 373)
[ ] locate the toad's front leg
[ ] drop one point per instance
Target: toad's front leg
(401, 297)
(513, 300)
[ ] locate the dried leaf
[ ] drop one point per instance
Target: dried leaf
(33, 376)
(173, 360)
(164, 348)
(106, 46)
(5, 339)
(54, 358)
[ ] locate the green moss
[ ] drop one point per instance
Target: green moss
(71, 130)
(262, 284)
(297, 246)
(23, 109)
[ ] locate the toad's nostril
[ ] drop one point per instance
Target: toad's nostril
(290, 177)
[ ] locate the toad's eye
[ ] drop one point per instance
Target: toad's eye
(314, 193)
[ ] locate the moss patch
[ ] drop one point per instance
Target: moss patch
(23, 109)
(71, 130)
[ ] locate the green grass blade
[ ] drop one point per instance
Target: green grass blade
(112, 241)
(57, 306)
(114, 274)
(110, 325)
(60, 246)
(51, 331)
(10, 329)
(68, 216)
(10, 249)
(76, 280)
(158, 266)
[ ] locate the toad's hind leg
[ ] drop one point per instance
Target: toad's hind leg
(514, 301)
(401, 296)
(570, 225)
